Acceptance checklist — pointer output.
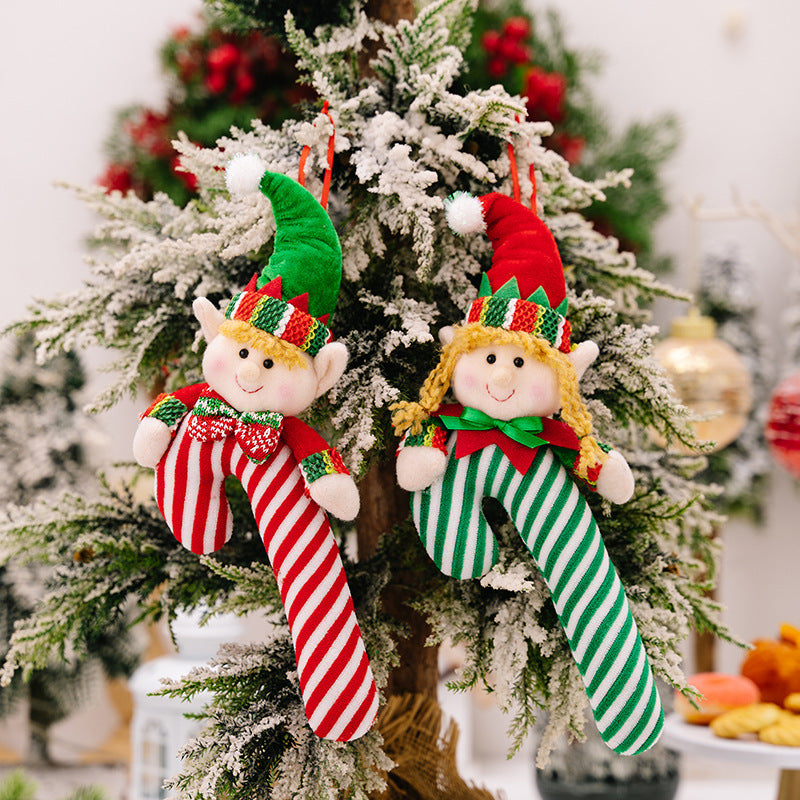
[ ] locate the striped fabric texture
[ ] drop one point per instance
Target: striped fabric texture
(280, 318)
(515, 314)
(557, 526)
(167, 409)
(317, 465)
(431, 435)
(339, 693)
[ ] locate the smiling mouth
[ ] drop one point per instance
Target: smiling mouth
(499, 399)
(248, 391)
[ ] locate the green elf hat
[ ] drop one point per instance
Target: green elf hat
(305, 265)
(524, 289)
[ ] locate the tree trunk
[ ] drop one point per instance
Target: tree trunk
(705, 644)
(38, 746)
(391, 11)
(383, 505)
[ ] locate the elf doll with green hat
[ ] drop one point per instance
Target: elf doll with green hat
(267, 359)
(520, 433)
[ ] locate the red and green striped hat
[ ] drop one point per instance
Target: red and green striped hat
(305, 265)
(289, 320)
(524, 289)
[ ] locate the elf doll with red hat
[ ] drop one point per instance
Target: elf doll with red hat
(267, 359)
(520, 433)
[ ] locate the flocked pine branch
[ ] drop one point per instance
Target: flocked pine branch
(238, 755)
(101, 553)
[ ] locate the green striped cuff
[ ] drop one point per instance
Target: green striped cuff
(167, 409)
(326, 462)
(431, 435)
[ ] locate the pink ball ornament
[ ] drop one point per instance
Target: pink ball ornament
(783, 424)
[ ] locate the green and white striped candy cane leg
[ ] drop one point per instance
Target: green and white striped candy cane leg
(557, 526)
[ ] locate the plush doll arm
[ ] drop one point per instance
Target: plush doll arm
(615, 481)
(422, 457)
(611, 479)
(326, 477)
(157, 425)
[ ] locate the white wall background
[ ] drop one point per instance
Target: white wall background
(64, 68)
(729, 69)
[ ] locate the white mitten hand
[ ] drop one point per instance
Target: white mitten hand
(150, 442)
(419, 466)
(615, 481)
(337, 494)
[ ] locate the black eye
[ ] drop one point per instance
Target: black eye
(268, 362)
(244, 352)
(518, 362)
(491, 358)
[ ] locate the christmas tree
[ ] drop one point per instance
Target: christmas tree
(406, 137)
(44, 439)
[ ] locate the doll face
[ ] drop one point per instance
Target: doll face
(249, 380)
(505, 382)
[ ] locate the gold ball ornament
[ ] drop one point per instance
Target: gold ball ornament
(708, 377)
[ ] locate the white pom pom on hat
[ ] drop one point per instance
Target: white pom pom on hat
(464, 213)
(243, 173)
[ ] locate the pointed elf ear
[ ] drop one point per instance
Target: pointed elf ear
(446, 335)
(582, 356)
(209, 317)
(329, 364)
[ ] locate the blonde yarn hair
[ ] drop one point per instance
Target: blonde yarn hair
(409, 415)
(279, 350)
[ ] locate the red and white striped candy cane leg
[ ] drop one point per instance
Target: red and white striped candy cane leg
(190, 491)
(339, 692)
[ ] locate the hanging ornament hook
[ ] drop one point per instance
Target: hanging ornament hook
(326, 181)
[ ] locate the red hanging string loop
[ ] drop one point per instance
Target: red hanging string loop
(512, 158)
(301, 176)
(326, 180)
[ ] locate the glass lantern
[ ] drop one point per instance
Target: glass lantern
(160, 726)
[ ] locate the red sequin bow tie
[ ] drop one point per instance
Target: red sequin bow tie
(257, 432)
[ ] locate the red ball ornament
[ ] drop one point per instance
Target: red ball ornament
(244, 83)
(507, 48)
(497, 67)
(783, 424)
(150, 132)
(116, 178)
(516, 28)
(223, 58)
(490, 41)
(545, 92)
(216, 82)
(571, 147)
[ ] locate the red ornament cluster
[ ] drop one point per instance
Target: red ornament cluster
(223, 79)
(509, 55)
(507, 47)
(150, 132)
(783, 424)
(230, 69)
